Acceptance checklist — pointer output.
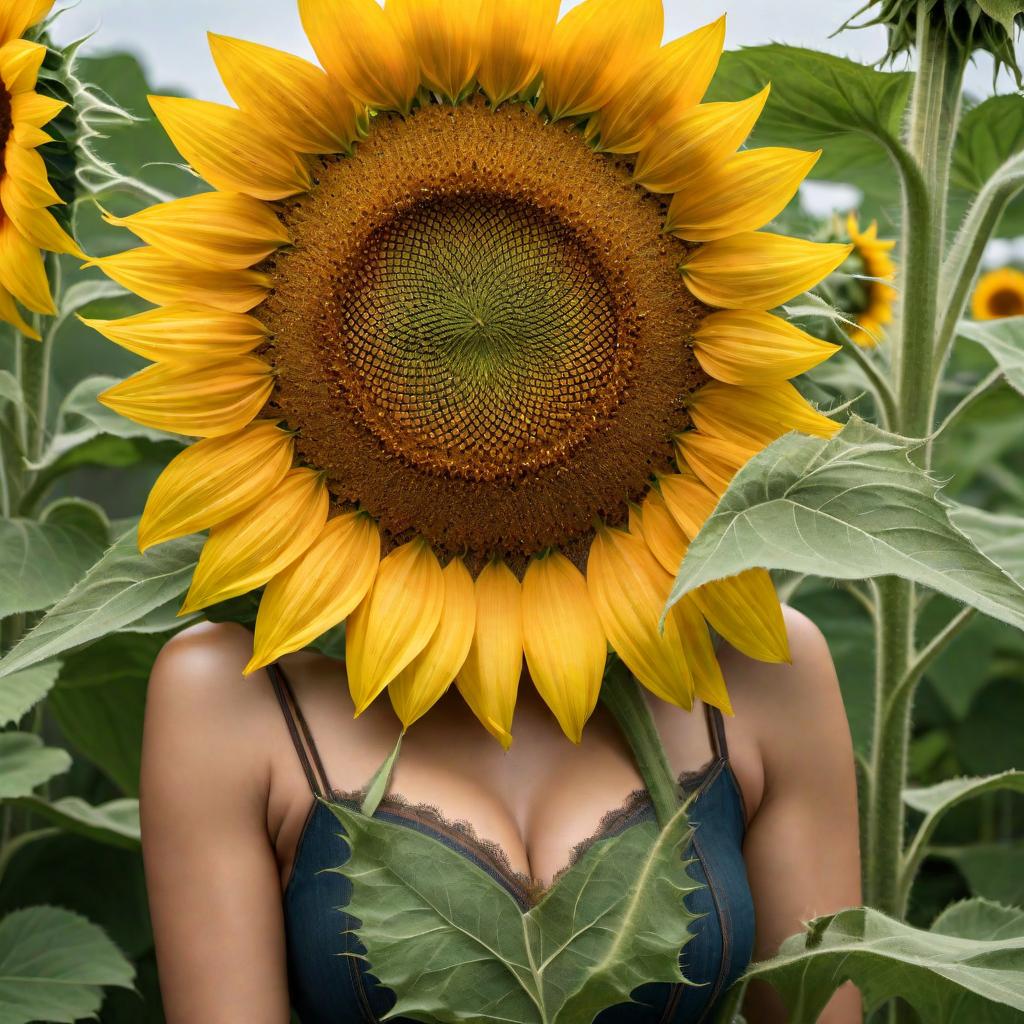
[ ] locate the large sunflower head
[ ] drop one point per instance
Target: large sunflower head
(474, 329)
(998, 294)
(27, 224)
(870, 297)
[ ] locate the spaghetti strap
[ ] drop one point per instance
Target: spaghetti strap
(716, 730)
(305, 747)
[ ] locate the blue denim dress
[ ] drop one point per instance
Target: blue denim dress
(328, 987)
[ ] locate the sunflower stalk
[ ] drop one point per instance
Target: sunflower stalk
(918, 359)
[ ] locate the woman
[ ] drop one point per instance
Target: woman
(233, 839)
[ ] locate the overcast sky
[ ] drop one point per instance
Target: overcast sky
(170, 39)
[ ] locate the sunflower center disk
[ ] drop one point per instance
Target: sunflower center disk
(479, 338)
(6, 125)
(1007, 302)
(480, 333)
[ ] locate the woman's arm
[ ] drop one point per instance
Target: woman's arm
(802, 847)
(213, 883)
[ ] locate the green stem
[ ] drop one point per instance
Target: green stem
(621, 694)
(894, 655)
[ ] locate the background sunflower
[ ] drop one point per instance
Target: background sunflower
(474, 329)
(998, 293)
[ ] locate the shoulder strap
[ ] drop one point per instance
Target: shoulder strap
(298, 729)
(716, 730)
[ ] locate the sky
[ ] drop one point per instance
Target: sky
(170, 40)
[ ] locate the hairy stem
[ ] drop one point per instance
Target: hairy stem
(621, 694)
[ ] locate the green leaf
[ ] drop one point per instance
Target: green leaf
(10, 389)
(853, 507)
(99, 703)
(1003, 340)
(989, 134)
(119, 590)
(21, 692)
(455, 946)
(40, 561)
(996, 536)
(25, 763)
(115, 822)
(1003, 11)
(945, 978)
(817, 100)
(935, 801)
(83, 420)
(381, 780)
(980, 919)
(54, 966)
(992, 870)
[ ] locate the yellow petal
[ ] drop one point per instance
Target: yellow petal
(445, 37)
(247, 551)
(694, 141)
(759, 270)
(162, 279)
(564, 643)
(20, 61)
(231, 149)
(38, 226)
(756, 415)
(184, 334)
(10, 314)
(18, 15)
(215, 480)
(744, 193)
(594, 48)
(689, 501)
(222, 230)
(629, 590)
(672, 81)
(489, 679)
(310, 112)
(708, 683)
(22, 271)
(28, 170)
(31, 108)
(394, 622)
(203, 401)
(360, 46)
(715, 460)
(749, 347)
(744, 609)
(318, 590)
(419, 686)
(514, 39)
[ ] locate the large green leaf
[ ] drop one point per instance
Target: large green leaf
(980, 919)
(41, 561)
(818, 100)
(1003, 339)
(100, 700)
(54, 966)
(20, 692)
(1000, 537)
(945, 978)
(850, 508)
(115, 822)
(25, 763)
(455, 946)
(119, 590)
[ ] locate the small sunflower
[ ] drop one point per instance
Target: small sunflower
(474, 330)
(999, 293)
(875, 307)
(26, 224)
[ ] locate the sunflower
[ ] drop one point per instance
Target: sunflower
(474, 330)
(874, 302)
(26, 224)
(999, 293)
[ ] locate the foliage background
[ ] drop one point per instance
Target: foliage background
(969, 708)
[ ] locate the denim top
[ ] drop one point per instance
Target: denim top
(328, 987)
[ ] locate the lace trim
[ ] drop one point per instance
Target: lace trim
(529, 889)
